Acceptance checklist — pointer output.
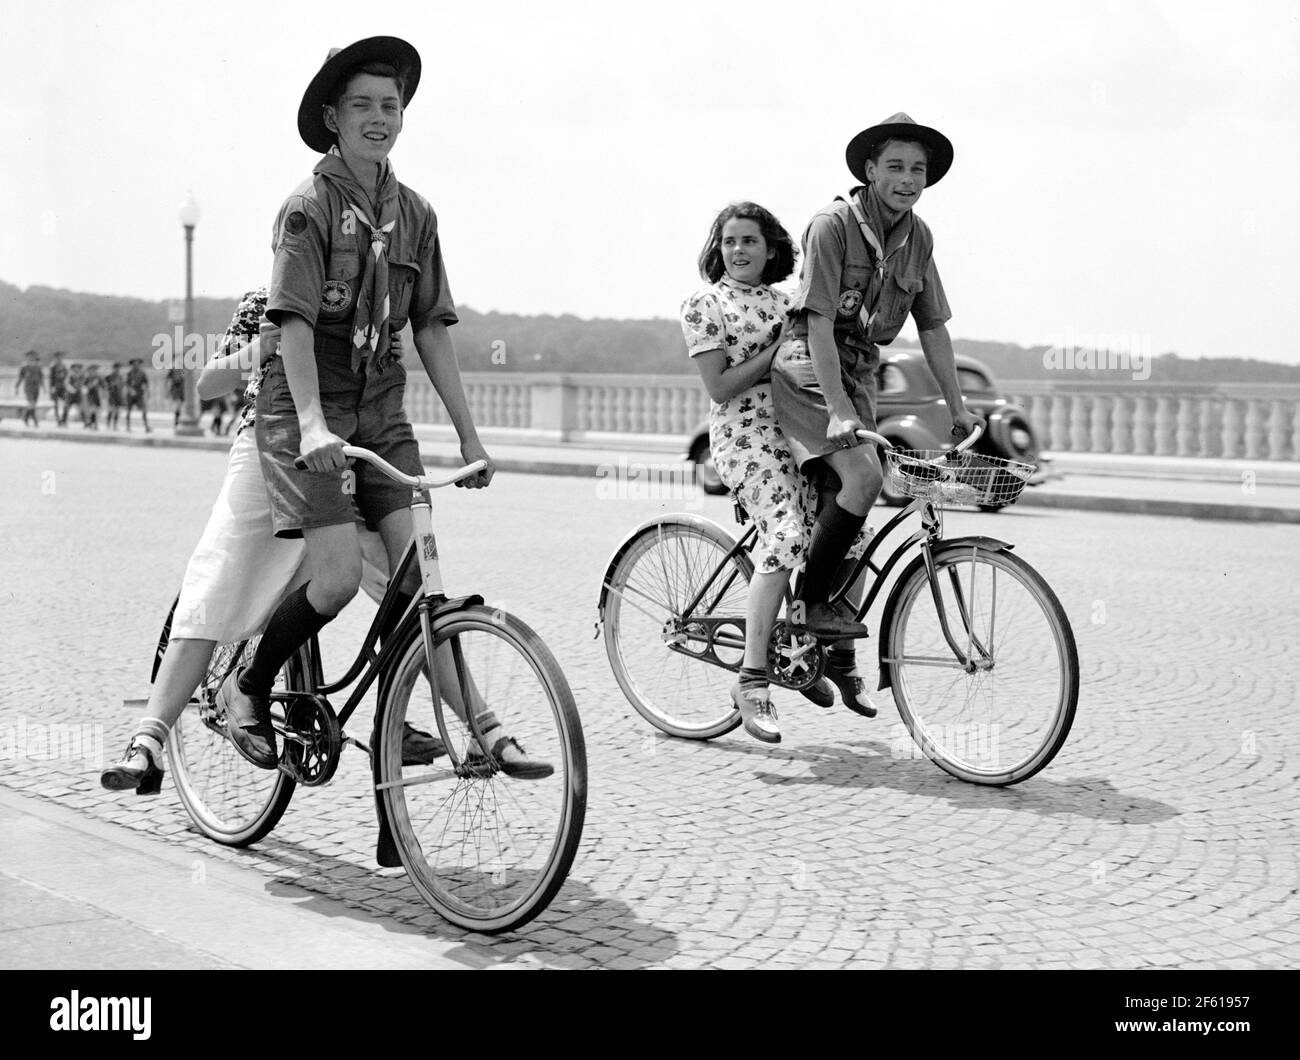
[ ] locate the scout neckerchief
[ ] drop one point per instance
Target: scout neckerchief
(370, 319)
(868, 312)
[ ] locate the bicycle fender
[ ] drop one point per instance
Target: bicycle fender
(955, 544)
(680, 518)
(412, 621)
(385, 848)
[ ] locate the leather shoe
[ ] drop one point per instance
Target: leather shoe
(420, 748)
(511, 759)
(137, 770)
(757, 713)
(853, 691)
(248, 723)
(833, 621)
(821, 693)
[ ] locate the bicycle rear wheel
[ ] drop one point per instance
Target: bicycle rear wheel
(230, 800)
(656, 650)
(488, 851)
(1006, 719)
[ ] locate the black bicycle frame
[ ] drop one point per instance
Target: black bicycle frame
(374, 663)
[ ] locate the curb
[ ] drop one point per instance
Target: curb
(1249, 513)
(590, 467)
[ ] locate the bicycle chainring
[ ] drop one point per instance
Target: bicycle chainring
(794, 659)
(312, 740)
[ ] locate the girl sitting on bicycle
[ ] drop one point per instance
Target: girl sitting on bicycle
(732, 329)
(240, 571)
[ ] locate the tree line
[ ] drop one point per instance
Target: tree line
(94, 327)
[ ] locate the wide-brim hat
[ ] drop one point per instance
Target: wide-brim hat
(392, 50)
(900, 127)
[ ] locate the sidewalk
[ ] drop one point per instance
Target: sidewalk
(78, 893)
(1240, 490)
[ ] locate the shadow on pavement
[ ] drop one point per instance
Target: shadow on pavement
(872, 764)
(579, 929)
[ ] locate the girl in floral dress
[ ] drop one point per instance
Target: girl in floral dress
(733, 328)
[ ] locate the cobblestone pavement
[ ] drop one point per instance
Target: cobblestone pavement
(1163, 834)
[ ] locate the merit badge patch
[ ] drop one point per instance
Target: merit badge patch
(335, 297)
(850, 302)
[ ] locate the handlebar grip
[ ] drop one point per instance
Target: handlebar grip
(970, 439)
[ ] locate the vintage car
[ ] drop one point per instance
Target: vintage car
(911, 413)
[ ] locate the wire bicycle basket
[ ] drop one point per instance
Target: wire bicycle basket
(950, 477)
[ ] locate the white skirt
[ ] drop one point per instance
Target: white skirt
(240, 571)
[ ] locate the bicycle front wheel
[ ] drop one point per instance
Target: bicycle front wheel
(487, 849)
(230, 800)
(1002, 718)
(658, 644)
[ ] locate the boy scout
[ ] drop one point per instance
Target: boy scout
(59, 387)
(137, 391)
(356, 255)
(30, 381)
(868, 262)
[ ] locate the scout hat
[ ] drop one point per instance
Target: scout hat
(900, 127)
(392, 50)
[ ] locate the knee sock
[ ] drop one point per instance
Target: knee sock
(752, 678)
(840, 659)
(295, 621)
(152, 733)
(832, 536)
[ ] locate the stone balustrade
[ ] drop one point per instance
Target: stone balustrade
(1230, 420)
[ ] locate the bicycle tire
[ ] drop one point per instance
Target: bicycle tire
(647, 586)
(1023, 704)
(487, 851)
(229, 799)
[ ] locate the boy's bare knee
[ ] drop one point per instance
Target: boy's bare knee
(331, 593)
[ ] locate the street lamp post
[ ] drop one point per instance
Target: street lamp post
(189, 425)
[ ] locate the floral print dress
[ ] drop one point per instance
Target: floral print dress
(242, 331)
(749, 450)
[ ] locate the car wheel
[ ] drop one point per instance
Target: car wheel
(705, 473)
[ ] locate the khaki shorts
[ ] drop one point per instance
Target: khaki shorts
(800, 407)
(364, 410)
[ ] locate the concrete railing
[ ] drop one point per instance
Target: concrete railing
(1232, 420)
(571, 405)
(1248, 421)
(1228, 420)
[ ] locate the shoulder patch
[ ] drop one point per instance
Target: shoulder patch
(296, 223)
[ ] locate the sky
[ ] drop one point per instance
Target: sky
(1124, 171)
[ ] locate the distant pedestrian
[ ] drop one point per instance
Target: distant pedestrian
(137, 393)
(76, 379)
(30, 382)
(176, 393)
(59, 387)
(114, 390)
(93, 391)
(219, 407)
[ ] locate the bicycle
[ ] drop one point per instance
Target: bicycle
(973, 643)
(487, 852)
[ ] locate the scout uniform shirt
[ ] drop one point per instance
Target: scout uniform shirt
(58, 379)
(323, 237)
(842, 274)
(29, 376)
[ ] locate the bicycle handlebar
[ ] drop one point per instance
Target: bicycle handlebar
(960, 447)
(414, 481)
